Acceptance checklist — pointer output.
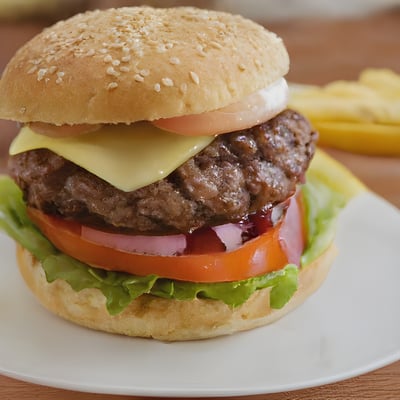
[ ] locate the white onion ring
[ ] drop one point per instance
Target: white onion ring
(253, 110)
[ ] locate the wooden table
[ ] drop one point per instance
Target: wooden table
(320, 51)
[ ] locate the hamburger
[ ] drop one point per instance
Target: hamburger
(158, 183)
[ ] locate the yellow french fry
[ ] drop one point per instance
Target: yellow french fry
(349, 90)
(335, 108)
(384, 81)
(361, 116)
(372, 139)
(335, 174)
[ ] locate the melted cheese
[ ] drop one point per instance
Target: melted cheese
(126, 156)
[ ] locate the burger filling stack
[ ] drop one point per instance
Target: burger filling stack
(158, 185)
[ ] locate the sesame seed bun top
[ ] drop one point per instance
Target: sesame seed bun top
(139, 63)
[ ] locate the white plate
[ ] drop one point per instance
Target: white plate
(349, 327)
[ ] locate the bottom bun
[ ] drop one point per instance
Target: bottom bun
(165, 319)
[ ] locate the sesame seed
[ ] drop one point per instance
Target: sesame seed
(117, 45)
(103, 51)
(136, 44)
(125, 58)
(52, 69)
(144, 72)
(183, 88)
(59, 80)
(112, 85)
(138, 78)
(124, 69)
(116, 63)
(125, 50)
(41, 73)
(242, 67)
(169, 45)
(111, 71)
(60, 74)
(144, 31)
(157, 87)
(107, 58)
(195, 78)
(161, 48)
(167, 82)
(90, 52)
(50, 58)
(32, 69)
(174, 60)
(22, 110)
(200, 50)
(70, 41)
(53, 36)
(215, 44)
(84, 36)
(139, 52)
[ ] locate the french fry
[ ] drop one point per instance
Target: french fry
(334, 108)
(372, 139)
(335, 174)
(384, 81)
(361, 116)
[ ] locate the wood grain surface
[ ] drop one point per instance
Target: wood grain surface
(321, 51)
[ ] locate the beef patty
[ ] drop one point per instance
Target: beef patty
(237, 174)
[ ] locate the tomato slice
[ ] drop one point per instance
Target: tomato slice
(268, 252)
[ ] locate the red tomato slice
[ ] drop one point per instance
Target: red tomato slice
(265, 253)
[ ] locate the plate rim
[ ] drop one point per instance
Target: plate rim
(197, 391)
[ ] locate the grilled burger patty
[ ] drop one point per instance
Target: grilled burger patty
(237, 174)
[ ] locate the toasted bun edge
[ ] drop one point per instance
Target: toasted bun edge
(139, 63)
(166, 319)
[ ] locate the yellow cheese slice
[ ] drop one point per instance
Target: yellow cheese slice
(126, 156)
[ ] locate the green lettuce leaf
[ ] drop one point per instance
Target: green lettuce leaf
(322, 206)
(15, 222)
(120, 289)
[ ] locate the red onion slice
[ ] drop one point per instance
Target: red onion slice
(230, 235)
(168, 245)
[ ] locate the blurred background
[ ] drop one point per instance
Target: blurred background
(256, 9)
(326, 39)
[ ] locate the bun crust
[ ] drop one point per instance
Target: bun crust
(163, 319)
(139, 63)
